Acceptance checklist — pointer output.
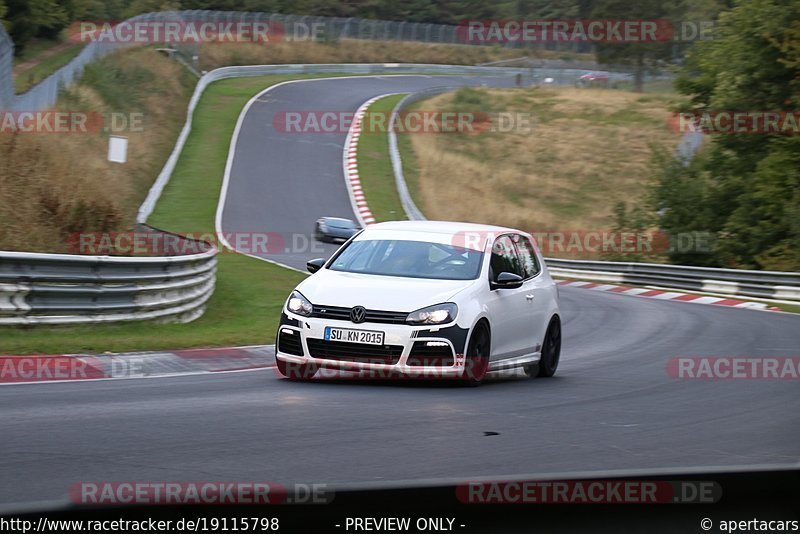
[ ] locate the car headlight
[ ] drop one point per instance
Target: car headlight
(437, 314)
(298, 304)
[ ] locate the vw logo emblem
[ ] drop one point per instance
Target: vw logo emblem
(358, 314)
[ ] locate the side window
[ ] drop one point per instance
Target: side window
(504, 257)
(528, 256)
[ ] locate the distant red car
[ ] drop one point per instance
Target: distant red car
(594, 78)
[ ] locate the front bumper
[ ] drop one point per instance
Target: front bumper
(409, 339)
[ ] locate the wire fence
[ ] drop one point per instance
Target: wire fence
(6, 65)
(333, 28)
(283, 28)
(44, 94)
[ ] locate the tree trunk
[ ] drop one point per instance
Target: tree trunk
(638, 75)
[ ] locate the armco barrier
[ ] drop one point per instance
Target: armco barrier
(411, 209)
(76, 289)
(772, 285)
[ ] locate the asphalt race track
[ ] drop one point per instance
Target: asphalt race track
(611, 406)
(282, 182)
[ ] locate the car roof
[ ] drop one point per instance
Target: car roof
(340, 219)
(440, 227)
(469, 235)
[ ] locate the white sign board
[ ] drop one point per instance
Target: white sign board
(117, 149)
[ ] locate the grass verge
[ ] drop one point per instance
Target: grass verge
(585, 151)
(375, 166)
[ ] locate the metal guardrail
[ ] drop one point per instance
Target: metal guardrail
(772, 285)
(411, 209)
(75, 289)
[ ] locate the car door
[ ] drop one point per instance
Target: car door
(508, 308)
(537, 293)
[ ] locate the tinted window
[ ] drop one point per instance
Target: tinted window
(414, 259)
(340, 223)
(504, 257)
(528, 257)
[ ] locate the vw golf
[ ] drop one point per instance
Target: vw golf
(424, 298)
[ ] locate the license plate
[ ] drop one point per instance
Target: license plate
(348, 335)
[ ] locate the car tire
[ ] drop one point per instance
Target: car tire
(296, 371)
(551, 349)
(476, 359)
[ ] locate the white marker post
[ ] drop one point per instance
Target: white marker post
(117, 149)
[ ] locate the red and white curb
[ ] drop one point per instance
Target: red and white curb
(350, 162)
(666, 295)
(357, 197)
(74, 367)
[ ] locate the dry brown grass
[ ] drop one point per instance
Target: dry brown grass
(215, 55)
(588, 149)
(52, 185)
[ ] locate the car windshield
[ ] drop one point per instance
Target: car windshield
(340, 223)
(414, 259)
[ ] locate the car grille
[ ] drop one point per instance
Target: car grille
(424, 355)
(290, 343)
(373, 316)
(354, 352)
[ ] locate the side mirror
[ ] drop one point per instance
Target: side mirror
(315, 265)
(506, 280)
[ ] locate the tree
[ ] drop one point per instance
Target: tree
(642, 57)
(34, 18)
(746, 187)
(92, 10)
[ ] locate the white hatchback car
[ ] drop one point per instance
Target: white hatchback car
(424, 299)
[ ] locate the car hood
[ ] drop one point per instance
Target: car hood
(389, 293)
